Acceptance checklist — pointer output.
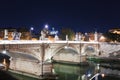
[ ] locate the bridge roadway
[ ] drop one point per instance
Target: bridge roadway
(40, 41)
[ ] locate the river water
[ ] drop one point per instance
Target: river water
(79, 72)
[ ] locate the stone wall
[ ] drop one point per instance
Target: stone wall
(107, 48)
(29, 66)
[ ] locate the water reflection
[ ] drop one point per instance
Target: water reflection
(70, 72)
(21, 77)
(78, 72)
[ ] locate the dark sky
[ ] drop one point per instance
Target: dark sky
(79, 15)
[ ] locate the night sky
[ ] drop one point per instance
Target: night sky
(79, 15)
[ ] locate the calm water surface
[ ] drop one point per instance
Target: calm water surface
(78, 72)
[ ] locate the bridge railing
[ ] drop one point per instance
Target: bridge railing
(40, 41)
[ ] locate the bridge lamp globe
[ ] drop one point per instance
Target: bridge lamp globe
(4, 51)
(65, 47)
(103, 75)
(31, 28)
(46, 26)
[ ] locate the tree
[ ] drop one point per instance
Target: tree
(112, 36)
(25, 33)
(67, 31)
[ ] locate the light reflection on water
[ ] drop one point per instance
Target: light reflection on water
(75, 72)
(70, 72)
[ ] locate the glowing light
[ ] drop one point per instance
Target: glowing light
(46, 26)
(32, 28)
(89, 75)
(4, 52)
(103, 75)
(66, 47)
(98, 66)
(4, 61)
(102, 38)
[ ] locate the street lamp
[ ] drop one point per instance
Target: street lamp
(46, 26)
(31, 29)
(4, 51)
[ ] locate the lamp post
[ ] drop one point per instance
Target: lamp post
(46, 30)
(46, 26)
(31, 29)
(80, 57)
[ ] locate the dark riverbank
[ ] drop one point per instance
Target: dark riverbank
(71, 63)
(108, 62)
(5, 76)
(114, 60)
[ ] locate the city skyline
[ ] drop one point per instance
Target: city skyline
(80, 16)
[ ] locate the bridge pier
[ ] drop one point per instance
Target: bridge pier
(42, 57)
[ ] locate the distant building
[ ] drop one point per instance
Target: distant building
(92, 36)
(115, 30)
(6, 33)
(14, 34)
(25, 33)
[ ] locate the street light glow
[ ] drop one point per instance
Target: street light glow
(31, 28)
(4, 52)
(46, 26)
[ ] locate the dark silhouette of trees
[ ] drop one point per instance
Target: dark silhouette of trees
(112, 37)
(67, 31)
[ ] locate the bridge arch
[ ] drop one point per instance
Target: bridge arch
(61, 48)
(66, 47)
(89, 49)
(81, 49)
(66, 54)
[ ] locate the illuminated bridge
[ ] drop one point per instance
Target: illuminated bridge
(28, 55)
(44, 50)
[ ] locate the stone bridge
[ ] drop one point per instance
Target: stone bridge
(31, 56)
(45, 50)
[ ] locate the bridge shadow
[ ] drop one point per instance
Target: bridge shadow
(4, 56)
(5, 76)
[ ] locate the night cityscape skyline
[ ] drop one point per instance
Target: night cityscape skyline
(80, 16)
(59, 40)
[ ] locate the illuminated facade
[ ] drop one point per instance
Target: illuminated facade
(116, 31)
(6, 32)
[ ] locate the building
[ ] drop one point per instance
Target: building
(115, 30)
(6, 33)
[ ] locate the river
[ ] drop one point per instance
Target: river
(79, 72)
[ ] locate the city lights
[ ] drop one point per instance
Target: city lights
(46, 26)
(32, 28)
(4, 51)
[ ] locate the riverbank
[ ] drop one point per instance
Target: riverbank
(23, 73)
(71, 63)
(5, 76)
(109, 62)
(105, 59)
(45, 76)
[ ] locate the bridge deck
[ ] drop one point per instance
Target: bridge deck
(39, 41)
